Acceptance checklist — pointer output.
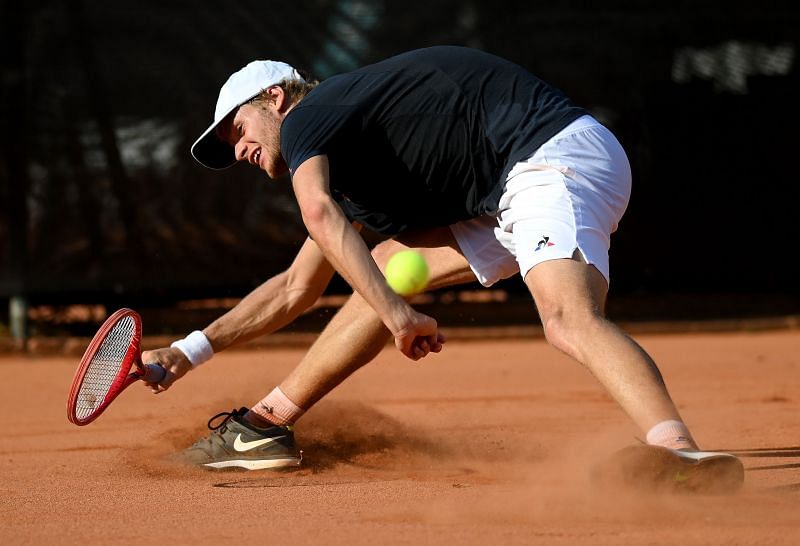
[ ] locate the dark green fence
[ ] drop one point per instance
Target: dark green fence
(101, 100)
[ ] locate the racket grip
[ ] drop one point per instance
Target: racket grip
(153, 373)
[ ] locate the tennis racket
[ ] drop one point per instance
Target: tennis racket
(105, 369)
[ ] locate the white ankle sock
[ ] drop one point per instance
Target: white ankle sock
(672, 434)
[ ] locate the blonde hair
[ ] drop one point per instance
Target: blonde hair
(295, 90)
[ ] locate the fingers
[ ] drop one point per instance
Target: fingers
(437, 343)
(163, 367)
(158, 388)
(155, 387)
(419, 347)
(154, 375)
(419, 337)
(157, 383)
(165, 382)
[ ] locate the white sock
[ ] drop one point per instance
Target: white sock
(672, 434)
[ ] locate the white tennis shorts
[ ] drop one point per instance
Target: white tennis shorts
(570, 195)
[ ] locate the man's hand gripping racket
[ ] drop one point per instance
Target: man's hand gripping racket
(105, 369)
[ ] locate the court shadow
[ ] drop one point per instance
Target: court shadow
(296, 479)
(770, 453)
(788, 488)
(343, 432)
(773, 467)
(767, 452)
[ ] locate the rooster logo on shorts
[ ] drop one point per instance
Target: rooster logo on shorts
(543, 243)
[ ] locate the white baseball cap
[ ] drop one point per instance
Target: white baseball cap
(242, 86)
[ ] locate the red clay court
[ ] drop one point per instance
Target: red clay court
(489, 442)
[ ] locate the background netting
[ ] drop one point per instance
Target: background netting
(101, 200)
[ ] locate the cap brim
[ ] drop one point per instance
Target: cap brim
(212, 152)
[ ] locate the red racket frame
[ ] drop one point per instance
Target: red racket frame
(123, 379)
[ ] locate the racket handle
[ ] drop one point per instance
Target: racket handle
(153, 373)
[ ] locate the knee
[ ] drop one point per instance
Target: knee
(556, 329)
(385, 250)
(568, 329)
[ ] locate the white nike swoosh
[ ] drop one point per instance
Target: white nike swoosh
(240, 445)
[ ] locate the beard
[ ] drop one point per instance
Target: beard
(270, 138)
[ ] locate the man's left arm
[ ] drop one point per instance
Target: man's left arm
(415, 334)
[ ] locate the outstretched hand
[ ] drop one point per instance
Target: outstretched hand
(419, 336)
(174, 363)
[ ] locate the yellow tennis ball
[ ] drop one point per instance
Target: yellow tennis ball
(407, 273)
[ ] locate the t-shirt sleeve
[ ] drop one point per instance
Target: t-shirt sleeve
(310, 131)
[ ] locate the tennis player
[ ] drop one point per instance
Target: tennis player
(465, 157)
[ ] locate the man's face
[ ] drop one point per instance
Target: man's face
(254, 134)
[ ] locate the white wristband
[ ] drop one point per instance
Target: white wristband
(196, 347)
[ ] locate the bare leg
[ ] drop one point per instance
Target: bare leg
(356, 335)
(570, 296)
(351, 339)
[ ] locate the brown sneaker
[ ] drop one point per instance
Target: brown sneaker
(235, 443)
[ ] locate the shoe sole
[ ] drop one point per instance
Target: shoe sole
(254, 464)
(654, 468)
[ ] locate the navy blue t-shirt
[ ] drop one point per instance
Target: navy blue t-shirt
(425, 138)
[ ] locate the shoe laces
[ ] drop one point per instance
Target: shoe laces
(228, 415)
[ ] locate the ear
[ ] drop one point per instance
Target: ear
(281, 102)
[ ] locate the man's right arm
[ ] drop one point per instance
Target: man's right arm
(269, 307)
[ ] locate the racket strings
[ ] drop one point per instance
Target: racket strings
(104, 367)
